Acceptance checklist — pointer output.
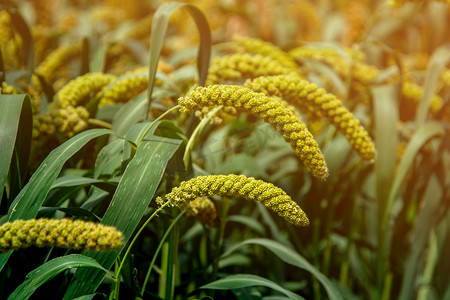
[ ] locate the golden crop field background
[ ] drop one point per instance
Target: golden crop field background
(232, 149)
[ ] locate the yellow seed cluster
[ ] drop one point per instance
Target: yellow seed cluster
(399, 3)
(44, 11)
(57, 59)
(257, 46)
(240, 186)
(109, 16)
(66, 122)
(45, 39)
(267, 108)
(239, 66)
(79, 90)
(140, 30)
(10, 42)
(360, 72)
(64, 233)
(356, 15)
(413, 92)
(445, 78)
(203, 209)
(125, 88)
(308, 18)
(9, 89)
(308, 96)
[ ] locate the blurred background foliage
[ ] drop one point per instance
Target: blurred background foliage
(379, 230)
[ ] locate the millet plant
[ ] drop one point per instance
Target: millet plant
(256, 149)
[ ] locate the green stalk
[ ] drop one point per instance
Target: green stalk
(226, 202)
(387, 285)
(427, 277)
(150, 268)
(99, 123)
(163, 276)
(169, 290)
(316, 229)
(117, 273)
(156, 120)
(196, 133)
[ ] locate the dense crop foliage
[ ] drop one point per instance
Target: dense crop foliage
(255, 149)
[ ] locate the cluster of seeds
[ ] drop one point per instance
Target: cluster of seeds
(64, 122)
(240, 186)
(125, 87)
(203, 209)
(239, 66)
(361, 73)
(308, 96)
(82, 88)
(257, 46)
(64, 233)
(263, 107)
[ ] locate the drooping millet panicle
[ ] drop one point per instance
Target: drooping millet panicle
(10, 42)
(64, 233)
(257, 46)
(56, 59)
(8, 89)
(125, 87)
(414, 92)
(399, 3)
(286, 122)
(140, 30)
(240, 186)
(356, 14)
(64, 122)
(203, 209)
(239, 66)
(360, 72)
(44, 12)
(445, 78)
(78, 90)
(308, 17)
(307, 96)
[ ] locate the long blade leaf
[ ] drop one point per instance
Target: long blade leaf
(291, 257)
(30, 199)
(16, 121)
(50, 269)
(246, 280)
(159, 28)
(133, 195)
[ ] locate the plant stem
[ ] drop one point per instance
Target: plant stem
(220, 235)
(166, 234)
(99, 123)
(156, 120)
(196, 133)
(117, 273)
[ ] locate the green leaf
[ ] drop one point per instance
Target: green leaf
(386, 138)
(133, 195)
(291, 257)
(438, 61)
(73, 211)
(50, 269)
(109, 159)
(246, 280)
(27, 203)
(16, 126)
(432, 204)
(249, 222)
(159, 28)
(423, 134)
(86, 297)
(134, 111)
(22, 28)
